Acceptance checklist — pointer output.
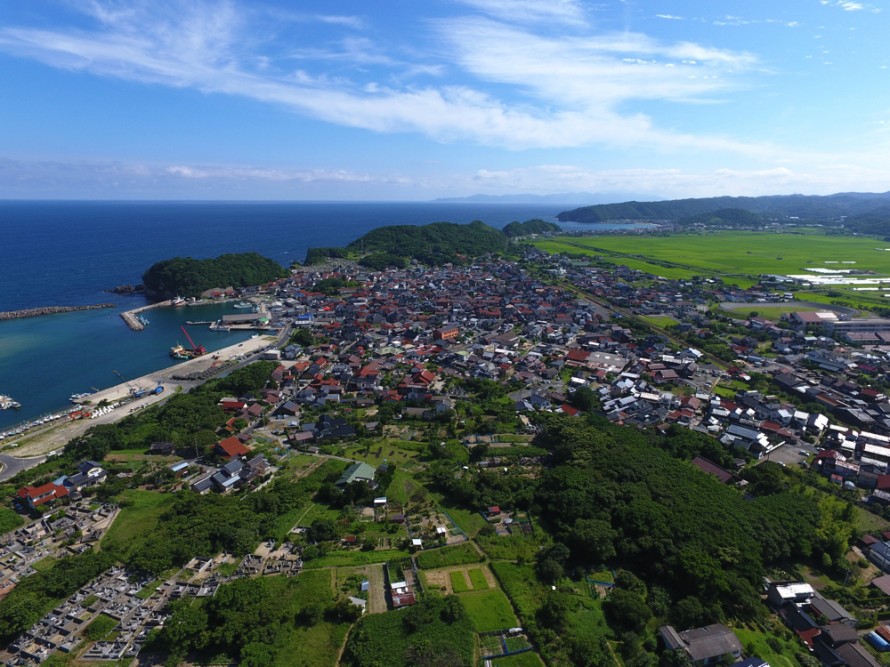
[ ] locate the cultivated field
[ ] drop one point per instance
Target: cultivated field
(736, 256)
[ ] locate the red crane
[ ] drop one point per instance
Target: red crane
(196, 350)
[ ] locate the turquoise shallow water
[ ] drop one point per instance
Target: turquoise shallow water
(44, 360)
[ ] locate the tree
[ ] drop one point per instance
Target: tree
(626, 611)
(688, 613)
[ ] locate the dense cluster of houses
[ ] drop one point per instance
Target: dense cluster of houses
(823, 625)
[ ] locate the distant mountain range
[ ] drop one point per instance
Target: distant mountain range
(867, 213)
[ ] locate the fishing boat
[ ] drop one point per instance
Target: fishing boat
(77, 398)
(179, 352)
(178, 301)
(8, 403)
(243, 305)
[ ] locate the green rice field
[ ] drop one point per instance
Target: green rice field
(737, 256)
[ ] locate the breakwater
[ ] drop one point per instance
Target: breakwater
(49, 310)
(135, 324)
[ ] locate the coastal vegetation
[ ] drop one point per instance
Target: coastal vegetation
(185, 276)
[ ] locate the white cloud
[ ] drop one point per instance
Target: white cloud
(561, 91)
(669, 17)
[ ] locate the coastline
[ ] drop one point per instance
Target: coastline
(54, 436)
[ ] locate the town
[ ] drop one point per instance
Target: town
(387, 376)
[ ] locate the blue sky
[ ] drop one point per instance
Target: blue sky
(408, 100)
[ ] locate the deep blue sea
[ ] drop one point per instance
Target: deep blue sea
(68, 253)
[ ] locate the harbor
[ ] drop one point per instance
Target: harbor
(41, 437)
(46, 360)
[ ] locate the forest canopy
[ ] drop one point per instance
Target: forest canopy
(185, 276)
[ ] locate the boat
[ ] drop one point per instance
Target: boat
(8, 403)
(179, 352)
(77, 398)
(243, 305)
(178, 301)
(219, 326)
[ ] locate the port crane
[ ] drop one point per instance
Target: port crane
(195, 350)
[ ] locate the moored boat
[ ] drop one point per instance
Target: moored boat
(8, 403)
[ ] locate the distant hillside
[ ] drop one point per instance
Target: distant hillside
(536, 226)
(821, 209)
(727, 217)
(562, 198)
(875, 222)
(184, 276)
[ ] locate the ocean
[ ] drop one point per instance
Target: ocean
(67, 253)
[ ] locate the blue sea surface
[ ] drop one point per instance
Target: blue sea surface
(68, 253)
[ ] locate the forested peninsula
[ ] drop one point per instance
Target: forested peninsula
(185, 276)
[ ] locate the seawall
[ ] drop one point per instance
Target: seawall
(49, 310)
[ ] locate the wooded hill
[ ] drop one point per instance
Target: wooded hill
(185, 276)
(434, 244)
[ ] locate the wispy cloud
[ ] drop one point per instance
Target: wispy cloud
(669, 17)
(533, 12)
(851, 6)
(561, 90)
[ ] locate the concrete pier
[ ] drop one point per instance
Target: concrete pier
(130, 319)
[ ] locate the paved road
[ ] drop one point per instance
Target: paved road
(11, 466)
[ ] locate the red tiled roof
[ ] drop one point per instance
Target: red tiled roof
(232, 447)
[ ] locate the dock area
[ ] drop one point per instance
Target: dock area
(55, 436)
(131, 319)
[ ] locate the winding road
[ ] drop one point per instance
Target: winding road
(10, 466)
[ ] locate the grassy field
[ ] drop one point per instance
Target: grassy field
(318, 645)
(489, 610)
(477, 578)
(659, 320)
(510, 547)
(530, 659)
(354, 558)
(734, 255)
(522, 585)
(137, 519)
(868, 522)
(459, 582)
(754, 642)
(461, 554)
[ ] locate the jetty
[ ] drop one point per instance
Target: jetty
(49, 310)
(131, 319)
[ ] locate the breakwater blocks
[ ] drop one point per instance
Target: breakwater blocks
(49, 310)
